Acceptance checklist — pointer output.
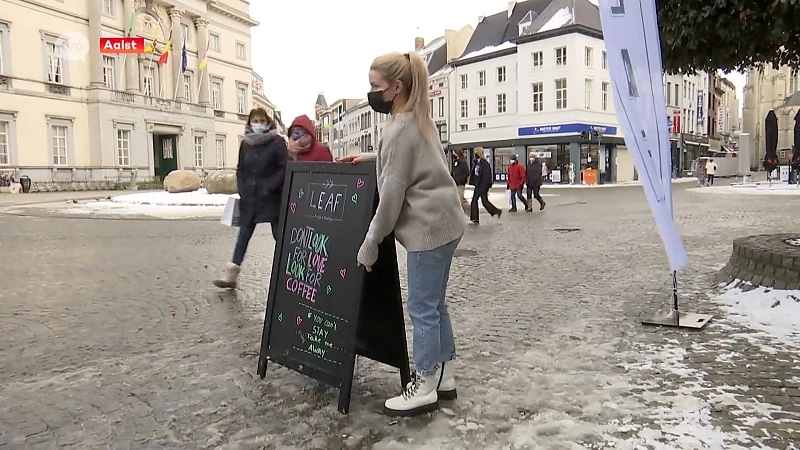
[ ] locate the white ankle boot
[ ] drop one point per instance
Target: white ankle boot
(446, 389)
(418, 397)
(229, 278)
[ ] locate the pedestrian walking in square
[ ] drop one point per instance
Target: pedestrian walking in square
(259, 178)
(535, 177)
(461, 176)
(711, 169)
(481, 179)
(516, 180)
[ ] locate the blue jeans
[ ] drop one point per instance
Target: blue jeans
(517, 194)
(428, 273)
(245, 233)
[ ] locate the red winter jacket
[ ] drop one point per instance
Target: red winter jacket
(516, 176)
(318, 152)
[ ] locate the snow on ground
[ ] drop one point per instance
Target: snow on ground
(111, 208)
(771, 311)
(751, 189)
(200, 197)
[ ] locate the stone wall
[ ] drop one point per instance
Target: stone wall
(768, 260)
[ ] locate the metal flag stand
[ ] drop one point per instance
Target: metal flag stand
(675, 317)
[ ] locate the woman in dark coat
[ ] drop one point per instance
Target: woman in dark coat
(259, 176)
(482, 180)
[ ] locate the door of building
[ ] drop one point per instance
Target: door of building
(165, 154)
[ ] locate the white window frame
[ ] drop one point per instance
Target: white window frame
(464, 108)
(220, 151)
(217, 99)
(215, 42)
(588, 57)
(55, 67)
(123, 147)
(441, 106)
(186, 30)
(110, 64)
(605, 60)
(54, 124)
(8, 132)
(502, 76)
(588, 87)
(144, 66)
(188, 86)
(5, 49)
(241, 97)
(241, 50)
(481, 106)
(502, 100)
(537, 96)
(198, 147)
(463, 127)
(464, 81)
(482, 78)
(109, 8)
(481, 125)
(561, 93)
(604, 96)
(561, 56)
(537, 59)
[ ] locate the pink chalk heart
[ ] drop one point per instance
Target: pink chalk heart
(359, 183)
(299, 320)
(343, 272)
(293, 206)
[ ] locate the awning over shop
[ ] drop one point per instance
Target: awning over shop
(690, 143)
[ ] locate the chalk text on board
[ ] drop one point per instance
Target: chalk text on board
(306, 263)
(327, 200)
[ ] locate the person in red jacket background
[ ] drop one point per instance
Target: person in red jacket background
(302, 143)
(516, 181)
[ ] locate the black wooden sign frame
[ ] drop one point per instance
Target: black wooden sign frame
(379, 333)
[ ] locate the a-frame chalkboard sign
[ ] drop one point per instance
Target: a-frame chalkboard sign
(322, 310)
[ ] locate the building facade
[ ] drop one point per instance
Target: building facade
(727, 114)
(767, 89)
(338, 125)
(687, 97)
(536, 88)
(260, 100)
(70, 113)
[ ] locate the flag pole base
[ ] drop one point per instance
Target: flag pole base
(678, 319)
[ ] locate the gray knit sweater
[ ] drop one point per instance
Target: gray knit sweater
(418, 197)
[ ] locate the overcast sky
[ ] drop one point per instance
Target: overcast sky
(303, 47)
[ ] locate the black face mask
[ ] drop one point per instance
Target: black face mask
(378, 104)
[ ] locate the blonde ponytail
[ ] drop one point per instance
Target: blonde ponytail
(418, 99)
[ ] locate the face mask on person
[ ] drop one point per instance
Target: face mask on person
(377, 102)
(532, 159)
(258, 127)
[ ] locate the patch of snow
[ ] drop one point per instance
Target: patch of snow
(433, 46)
(561, 18)
(679, 402)
(110, 208)
(771, 311)
(489, 50)
(200, 197)
(750, 189)
(442, 72)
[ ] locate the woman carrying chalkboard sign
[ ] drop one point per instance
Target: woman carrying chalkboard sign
(259, 177)
(420, 203)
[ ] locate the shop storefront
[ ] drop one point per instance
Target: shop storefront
(561, 147)
(692, 148)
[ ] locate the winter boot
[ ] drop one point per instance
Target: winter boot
(229, 278)
(418, 397)
(446, 389)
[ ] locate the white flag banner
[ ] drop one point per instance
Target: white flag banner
(630, 32)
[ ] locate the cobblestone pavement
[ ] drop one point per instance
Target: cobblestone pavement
(111, 336)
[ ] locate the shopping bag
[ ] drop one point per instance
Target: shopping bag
(230, 215)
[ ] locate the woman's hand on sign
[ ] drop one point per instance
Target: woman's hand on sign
(367, 268)
(352, 159)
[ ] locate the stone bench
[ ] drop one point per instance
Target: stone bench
(767, 260)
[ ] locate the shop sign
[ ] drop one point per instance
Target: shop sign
(565, 128)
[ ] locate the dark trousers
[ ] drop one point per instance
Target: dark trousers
(534, 192)
(517, 194)
(710, 179)
(484, 198)
(245, 234)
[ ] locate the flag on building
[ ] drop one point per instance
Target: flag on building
(165, 54)
(204, 61)
(184, 58)
(152, 47)
(132, 24)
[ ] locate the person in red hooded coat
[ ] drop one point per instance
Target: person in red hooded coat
(302, 142)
